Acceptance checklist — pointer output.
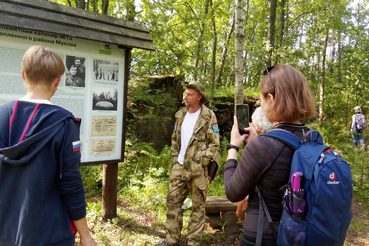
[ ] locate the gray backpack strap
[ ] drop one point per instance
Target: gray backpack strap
(263, 208)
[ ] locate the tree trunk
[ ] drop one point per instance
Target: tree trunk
(105, 7)
(321, 86)
(215, 40)
(333, 54)
(239, 53)
(339, 58)
(214, 51)
(250, 36)
(283, 20)
(81, 4)
(282, 25)
(130, 10)
(95, 6)
(271, 30)
(199, 40)
(224, 54)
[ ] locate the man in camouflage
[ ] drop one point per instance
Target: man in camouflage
(195, 143)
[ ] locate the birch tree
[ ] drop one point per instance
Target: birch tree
(322, 84)
(239, 39)
(271, 31)
(224, 54)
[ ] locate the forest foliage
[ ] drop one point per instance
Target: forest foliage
(328, 40)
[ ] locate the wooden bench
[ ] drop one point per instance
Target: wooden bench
(219, 210)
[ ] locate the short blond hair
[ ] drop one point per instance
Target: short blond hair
(293, 98)
(41, 66)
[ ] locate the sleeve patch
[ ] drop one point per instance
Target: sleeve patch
(76, 146)
(175, 127)
(215, 127)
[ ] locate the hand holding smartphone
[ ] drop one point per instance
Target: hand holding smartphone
(242, 114)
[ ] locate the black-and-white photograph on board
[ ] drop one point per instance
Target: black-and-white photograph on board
(104, 99)
(105, 70)
(75, 74)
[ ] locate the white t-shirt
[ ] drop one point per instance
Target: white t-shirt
(353, 121)
(186, 132)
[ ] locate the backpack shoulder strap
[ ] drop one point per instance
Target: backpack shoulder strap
(263, 208)
(293, 141)
(285, 137)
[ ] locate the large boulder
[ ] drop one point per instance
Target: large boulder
(153, 101)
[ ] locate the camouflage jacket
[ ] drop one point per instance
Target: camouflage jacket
(203, 146)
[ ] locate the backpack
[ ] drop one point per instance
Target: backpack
(327, 190)
(360, 121)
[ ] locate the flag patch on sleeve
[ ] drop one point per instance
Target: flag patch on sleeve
(175, 128)
(76, 146)
(215, 127)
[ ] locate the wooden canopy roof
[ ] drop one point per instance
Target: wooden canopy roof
(41, 15)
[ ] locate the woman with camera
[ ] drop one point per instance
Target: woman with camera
(285, 100)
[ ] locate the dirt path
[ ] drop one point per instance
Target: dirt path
(358, 233)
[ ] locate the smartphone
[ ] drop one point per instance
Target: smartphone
(242, 113)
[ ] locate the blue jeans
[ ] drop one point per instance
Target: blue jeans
(358, 136)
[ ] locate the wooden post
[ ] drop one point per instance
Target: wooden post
(109, 192)
(110, 171)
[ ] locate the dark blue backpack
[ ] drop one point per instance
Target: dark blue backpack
(327, 190)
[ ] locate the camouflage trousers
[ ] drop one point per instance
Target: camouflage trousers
(178, 191)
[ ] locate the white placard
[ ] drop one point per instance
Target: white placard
(91, 88)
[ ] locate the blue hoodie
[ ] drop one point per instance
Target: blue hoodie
(41, 187)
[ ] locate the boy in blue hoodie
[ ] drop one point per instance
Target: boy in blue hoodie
(41, 195)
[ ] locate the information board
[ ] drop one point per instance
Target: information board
(91, 88)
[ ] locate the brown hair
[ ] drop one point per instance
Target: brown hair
(293, 98)
(42, 66)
